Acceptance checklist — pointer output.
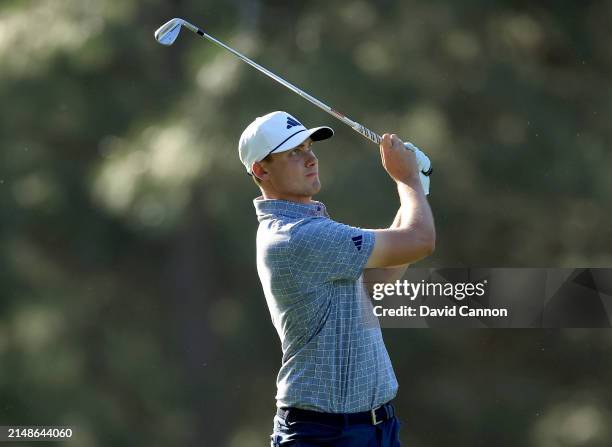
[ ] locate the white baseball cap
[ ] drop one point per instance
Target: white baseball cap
(274, 133)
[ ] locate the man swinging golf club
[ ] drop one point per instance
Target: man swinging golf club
(336, 381)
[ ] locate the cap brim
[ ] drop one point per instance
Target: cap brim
(316, 134)
(321, 133)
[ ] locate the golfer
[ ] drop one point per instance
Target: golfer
(336, 381)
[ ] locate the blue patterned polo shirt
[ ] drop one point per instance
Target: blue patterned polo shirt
(310, 267)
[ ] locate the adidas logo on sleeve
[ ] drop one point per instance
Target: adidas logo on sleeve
(357, 240)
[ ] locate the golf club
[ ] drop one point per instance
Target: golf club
(168, 33)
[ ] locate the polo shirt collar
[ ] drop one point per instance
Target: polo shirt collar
(270, 208)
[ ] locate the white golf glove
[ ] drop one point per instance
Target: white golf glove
(423, 163)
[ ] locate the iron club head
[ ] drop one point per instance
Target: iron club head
(169, 31)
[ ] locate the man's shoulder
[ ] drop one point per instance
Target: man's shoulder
(310, 236)
(297, 228)
(299, 238)
(291, 229)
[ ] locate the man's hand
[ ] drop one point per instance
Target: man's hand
(424, 165)
(401, 164)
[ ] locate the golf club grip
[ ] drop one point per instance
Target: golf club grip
(372, 136)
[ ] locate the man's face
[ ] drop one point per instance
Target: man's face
(293, 174)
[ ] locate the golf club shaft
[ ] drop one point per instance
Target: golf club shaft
(367, 133)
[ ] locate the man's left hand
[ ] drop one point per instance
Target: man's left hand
(424, 165)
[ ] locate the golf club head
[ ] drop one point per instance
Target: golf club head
(169, 31)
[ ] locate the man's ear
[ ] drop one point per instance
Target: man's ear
(259, 171)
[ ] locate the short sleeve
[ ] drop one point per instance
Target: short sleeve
(324, 250)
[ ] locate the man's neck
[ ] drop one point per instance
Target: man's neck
(307, 200)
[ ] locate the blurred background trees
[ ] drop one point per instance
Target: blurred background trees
(130, 306)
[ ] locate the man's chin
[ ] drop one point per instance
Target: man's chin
(311, 189)
(316, 187)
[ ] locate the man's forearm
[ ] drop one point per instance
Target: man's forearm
(415, 213)
(398, 271)
(388, 274)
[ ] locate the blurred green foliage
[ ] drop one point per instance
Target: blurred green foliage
(130, 307)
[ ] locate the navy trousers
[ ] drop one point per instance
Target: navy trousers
(310, 434)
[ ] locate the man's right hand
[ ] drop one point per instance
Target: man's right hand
(401, 164)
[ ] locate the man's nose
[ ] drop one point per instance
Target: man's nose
(311, 159)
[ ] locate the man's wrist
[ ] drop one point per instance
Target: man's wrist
(411, 181)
